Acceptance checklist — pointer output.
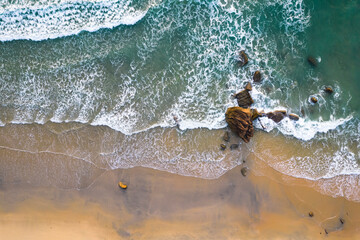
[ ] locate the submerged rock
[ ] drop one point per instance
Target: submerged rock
(234, 146)
(342, 221)
(294, 117)
(226, 137)
(328, 90)
(239, 121)
(244, 171)
(312, 61)
(313, 99)
(122, 185)
(257, 76)
(222, 147)
(302, 110)
(244, 98)
(243, 58)
(277, 115)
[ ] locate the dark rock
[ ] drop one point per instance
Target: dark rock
(243, 58)
(342, 220)
(326, 231)
(244, 171)
(294, 117)
(277, 115)
(328, 90)
(234, 146)
(239, 121)
(226, 137)
(222, 147)
(312, 61)
(311, 214)
(313, 99)
(257, 76)
(244, 98)
(248, 86)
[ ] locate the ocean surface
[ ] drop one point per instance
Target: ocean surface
(134, 65)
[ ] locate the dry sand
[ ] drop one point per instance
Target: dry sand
(38, 202)
(160, 205)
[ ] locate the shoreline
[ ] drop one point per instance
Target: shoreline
(59, 185)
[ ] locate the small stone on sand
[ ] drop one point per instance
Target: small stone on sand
(244, 171)
(122, 185)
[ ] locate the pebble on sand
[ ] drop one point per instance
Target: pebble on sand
(122, 185)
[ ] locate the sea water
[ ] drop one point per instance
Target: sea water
(134, 65)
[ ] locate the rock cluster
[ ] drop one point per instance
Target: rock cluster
(240, 119)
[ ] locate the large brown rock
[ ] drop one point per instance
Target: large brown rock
(243, 58)
(239, 121)
(244, 98)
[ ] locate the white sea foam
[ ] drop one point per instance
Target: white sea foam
(64, 18)
(302, 129)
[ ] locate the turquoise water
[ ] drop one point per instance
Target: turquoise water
(134, 65)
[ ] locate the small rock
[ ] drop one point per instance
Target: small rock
(326, 231)
(244, 171)
(226, 137)
(276, 116)
(244, 99)
(243, 58)
(342, 220)
(122, 185)
(234, 146)
(328, 90)
(222, 147)
(311, 214)
(294, 117)
(312, 61)
(248, 86)
(257, 76)
(313, 99)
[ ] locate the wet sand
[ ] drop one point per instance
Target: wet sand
(161, 205)
(51, 191)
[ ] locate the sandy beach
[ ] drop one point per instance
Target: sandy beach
(162, 205)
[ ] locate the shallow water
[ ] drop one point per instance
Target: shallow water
(144, 62)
